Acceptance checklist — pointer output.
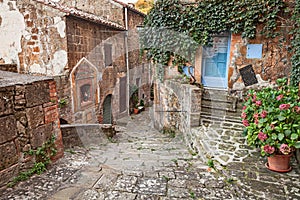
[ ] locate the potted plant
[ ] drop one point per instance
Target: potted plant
(135, 104)
(271, 118)
(141, 105)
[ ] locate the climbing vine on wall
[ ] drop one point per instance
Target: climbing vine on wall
(295, 74)
(174, 30)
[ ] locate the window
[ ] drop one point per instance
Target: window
(108, 54)
(85, 93)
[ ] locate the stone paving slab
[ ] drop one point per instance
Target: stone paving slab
(146, 164)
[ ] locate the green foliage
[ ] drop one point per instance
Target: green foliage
(170, 131)
(295, 74)
(42, 156)
(62, 103)
(174, 29)
(211, 164)
(272, 118)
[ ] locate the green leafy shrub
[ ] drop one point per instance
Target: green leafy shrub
(272, 119)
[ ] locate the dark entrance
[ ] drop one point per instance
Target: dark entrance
(107, 112)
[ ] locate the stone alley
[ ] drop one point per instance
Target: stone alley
(142, 163)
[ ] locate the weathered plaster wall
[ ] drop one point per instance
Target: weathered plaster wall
(33, 37)
(274, 63)
(28, 118)
(12, 28)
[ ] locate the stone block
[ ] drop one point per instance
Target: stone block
(8, 173)
(195, 119)
(37, 94)
(40, 135)
(6, 100)
(8, 127)
(8, 155)
(35, 116)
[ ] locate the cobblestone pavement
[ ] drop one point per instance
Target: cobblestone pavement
(142, 163)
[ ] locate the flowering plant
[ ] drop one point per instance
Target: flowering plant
(271, 118)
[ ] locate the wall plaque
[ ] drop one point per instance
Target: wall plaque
(248, 75)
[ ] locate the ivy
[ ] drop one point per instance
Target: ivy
(42, 157)
(295, 60)
(174, 29)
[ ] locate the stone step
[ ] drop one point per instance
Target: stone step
(221, 112)
(222, 105)
(214, 92)
(211, 118)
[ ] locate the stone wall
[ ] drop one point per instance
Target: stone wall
(86, 46)
(177, 106)
(28, 117)
(33, 37)
(9, 67)
(86, 135)
(107, 9)
(274, 63)
(139, 66)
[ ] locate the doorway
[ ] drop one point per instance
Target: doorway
(215, 62)
(107, 112)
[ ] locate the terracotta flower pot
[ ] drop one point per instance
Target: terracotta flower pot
(279, 163)
(135, 110)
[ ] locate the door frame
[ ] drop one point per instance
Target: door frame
(201, 65)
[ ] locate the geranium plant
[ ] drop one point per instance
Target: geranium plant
(271, 117)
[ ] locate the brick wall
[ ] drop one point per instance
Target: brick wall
(105, 8)
(87, 40)
(28, 117)
(139, 66)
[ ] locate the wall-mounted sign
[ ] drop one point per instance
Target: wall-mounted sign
(248, 75)
(254, 51)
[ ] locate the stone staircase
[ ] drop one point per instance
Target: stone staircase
(218, 106)
(219, 136)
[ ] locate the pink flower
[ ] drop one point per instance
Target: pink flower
(297, 109)
(285, 149)
(256, 115)
(263, 114)
(279, 97)
(244, 115)
(245, 122)
(262, 136)
(256, 121)
(284, 106)
(258, 103)
(254, 98)
(272, 126)
(269, 149)
(244, 107)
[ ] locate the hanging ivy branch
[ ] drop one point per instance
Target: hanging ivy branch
(174, 29)
(295, 74)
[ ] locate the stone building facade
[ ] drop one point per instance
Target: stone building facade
(83, 45)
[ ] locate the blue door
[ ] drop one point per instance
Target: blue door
(215, 62)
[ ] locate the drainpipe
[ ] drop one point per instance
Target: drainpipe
(127, 60)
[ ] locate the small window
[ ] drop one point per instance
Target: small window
(85, 93)
(108, 54)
